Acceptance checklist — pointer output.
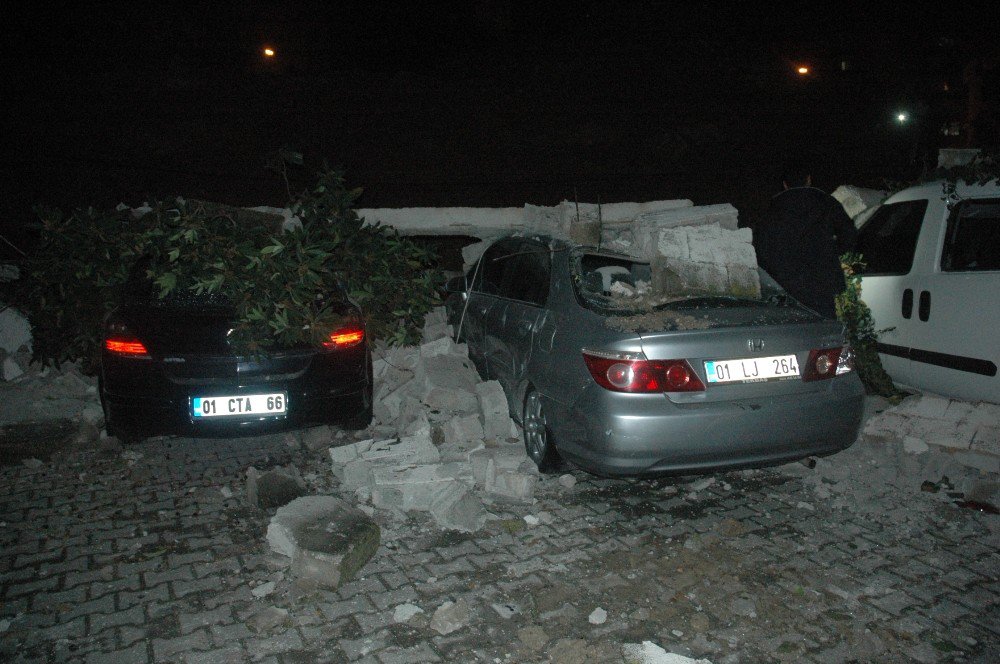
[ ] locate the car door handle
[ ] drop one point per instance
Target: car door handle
(907, 303)
(924, 308)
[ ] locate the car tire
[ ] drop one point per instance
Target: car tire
(538, 441)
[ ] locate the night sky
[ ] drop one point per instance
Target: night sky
(483, 103)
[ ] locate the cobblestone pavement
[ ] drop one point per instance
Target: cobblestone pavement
(152, 555)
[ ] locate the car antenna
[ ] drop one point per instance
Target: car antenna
(576, 199)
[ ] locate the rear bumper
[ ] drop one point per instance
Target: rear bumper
(141, 401)
(615, 434)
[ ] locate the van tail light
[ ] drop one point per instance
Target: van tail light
(826, 363)
(631, 372)
(345, 337)
(126, 347)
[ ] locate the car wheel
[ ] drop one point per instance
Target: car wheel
(537, 436)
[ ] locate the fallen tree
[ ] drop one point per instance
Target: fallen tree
(276, 280)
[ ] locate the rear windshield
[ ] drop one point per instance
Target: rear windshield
(621, 288)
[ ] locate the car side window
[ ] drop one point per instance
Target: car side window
(493, 265)
(972, 241)
(888, 240)
(528, 275)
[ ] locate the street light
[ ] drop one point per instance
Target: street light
(268, 52)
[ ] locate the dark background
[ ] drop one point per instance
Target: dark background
(480, 103)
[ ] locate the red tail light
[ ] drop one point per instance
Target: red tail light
(621, 373)
(824, 363)
(345, 337)
(126, 346)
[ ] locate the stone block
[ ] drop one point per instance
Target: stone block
(463, 429)
(355, 474)
(10, 369)
(446, 383)
(436, 332)
(328, 540)
(406, 450)
(343, 454)
(509, 485)
(450, 617)
(386, 408)
(441, 346)
(454, 507)
(494, 409)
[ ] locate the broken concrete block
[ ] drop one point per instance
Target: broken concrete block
(406, 450)
(387, 407)
(462, 429)
(450, 616)
(316, 438)
(415, 425)
(454, 507)
(446, 383)
(440, 346)
(503, 457)
(327, 539)
(274, 488)
(355, 474)
(459, 451)
(415, 487)
(436, 316)
(856, 200)
(509, 485)
(494, 409)
(343, 454)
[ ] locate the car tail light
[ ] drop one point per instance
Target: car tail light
(826, 363)
(345, 337)
(631, 372)
(127, 346)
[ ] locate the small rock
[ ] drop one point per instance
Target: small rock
(598, 616)
(404, 612)
(533, 637)
(531, 520)
(805, 506)
(226, 492)
(131, 455)
(274, 488)
(676, 632)
(4, 625)
(567, 481)
(744, 606)
(450, 616)
(914, 445)
(670, 490)
(648, 652)
(33, 463)
(702, 484)
(263, 590)
(505, 611)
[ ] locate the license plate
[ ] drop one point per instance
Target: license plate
(239, 405)
(752, 370)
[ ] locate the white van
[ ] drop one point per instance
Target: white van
(932, 282)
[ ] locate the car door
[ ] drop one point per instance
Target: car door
(954, 346)
(526, 289)
(481, 305)
(888, 245)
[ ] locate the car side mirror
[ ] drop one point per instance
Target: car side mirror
(455, 285)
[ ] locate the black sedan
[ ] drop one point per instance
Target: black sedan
(167, 368)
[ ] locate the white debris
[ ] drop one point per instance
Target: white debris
(33, 463)
(226, 492)
(263, 590)
(914, 445)
(805, 506)
(702, 484)
(4, 625)
(404, 612)
(531, 520)
(450, 616)
(131, 455)
(505, 611)
(15, 331)
(598, 616)
(648, 652)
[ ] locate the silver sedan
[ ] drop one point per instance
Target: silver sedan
(624, 384)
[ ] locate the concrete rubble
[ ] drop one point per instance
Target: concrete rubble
(443, 440)
(326, 540)
(274, 488)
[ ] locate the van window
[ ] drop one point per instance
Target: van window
(972, 243)
(493, 265)
(888, 240)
